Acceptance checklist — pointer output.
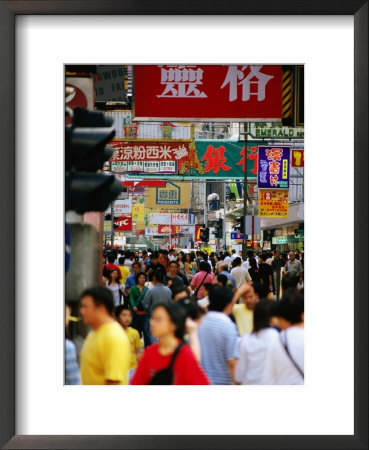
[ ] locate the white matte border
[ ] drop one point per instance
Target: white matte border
(325, 45)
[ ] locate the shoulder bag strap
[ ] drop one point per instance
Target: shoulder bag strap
(174, 356)
(197, 290)
(141, 296)
(289, 355)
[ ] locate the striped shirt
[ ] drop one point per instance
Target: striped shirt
(219, 343)
(71, 365)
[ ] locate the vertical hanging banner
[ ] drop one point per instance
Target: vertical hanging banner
(273, 167)
(208, 93)
(297, 158)
(273, 203)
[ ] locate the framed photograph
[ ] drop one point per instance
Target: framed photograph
(37, 39)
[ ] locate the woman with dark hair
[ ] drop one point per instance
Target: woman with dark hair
(181, 260)
(115, 286)
(140, 320)
(222, 280)
(254, 270)
(254, 346)
(189, 266)
(203, 276)
(170, 360)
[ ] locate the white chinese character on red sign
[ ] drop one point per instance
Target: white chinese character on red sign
(254, 78)
(152, 152)
(180, 152)
(181, 81)
(165, 152)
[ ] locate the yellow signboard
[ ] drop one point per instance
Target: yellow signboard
(273, 203)
(173, 196)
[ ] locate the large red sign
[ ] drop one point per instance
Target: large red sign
(198, 93)
(144, 183)
(124, 223)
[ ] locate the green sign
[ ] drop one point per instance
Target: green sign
(275, 130)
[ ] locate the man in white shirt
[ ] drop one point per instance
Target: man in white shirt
(245, 264)
(233, 254)
(227, 259)
(240, 274)
(284, 363)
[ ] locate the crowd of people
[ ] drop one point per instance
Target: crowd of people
(190, 318)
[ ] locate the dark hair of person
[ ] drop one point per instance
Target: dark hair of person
(207, 286)
(158, 275)
(262, 314)
(120, 308)
(205, 256)
(263, 257)
(250, 253)
(223, 280)
(226, 254)
(121, 260)
(173, 263)
(182, 256)
(204, 266)
(191, 257)
(178, 290)
(154, 255)
(136, 263)
(193, 309)
(236, 262)
(290, 280)
(177, 315)
(110, 278)
(111, 258)
(253, 264)
(219, 298)
(290, 307)
(100, 296)
(261, 290)
(140, 274)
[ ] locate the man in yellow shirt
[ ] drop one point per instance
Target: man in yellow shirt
(125, 272)
(244, 312)
(105, 355)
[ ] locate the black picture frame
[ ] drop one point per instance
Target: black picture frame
(8, 12)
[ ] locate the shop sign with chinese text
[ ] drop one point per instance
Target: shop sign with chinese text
(169, 229)
(208, 93)
(273, 203)
(122, 207)
(297, 158)
(273, 167)
(160, 218)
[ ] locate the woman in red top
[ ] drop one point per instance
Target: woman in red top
(168, 325)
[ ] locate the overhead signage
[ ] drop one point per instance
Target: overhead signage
(273, 203)
(275, 130)
(143, 183)
(169, 229)
(173, 195)
(297, 158)
(144, 167)
(124, 223)
(148, 151)
(160, 218)
(236, 236)
(151, 231)
(273, 167)
(122, 207)
(208, 93)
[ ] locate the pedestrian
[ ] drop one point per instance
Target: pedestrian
(233, 254)
(140, 316)
(170, 361)
(159, 293)
(105, 355)
(254, 346)
(154, 265)
(284, 363)
(72, 375)
(203, 276)
(294, 266)
(114, 285)
(218, 338)
(124, 271)
(223, 270)
(227, 259)
(189, 267)
(246, 263)
(204, 294)
(110, 266)
(123, 315)
(172, 280)
(181, 260)
(131, 280)
(180, 274)
(277, 266)
(244, 312)
(254, 270)
(164, 259)
(265, 272)
(240, 274)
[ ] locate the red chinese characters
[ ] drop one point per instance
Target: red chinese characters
(215, 160)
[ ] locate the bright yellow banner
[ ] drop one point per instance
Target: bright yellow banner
(273, 203)
(173, 196)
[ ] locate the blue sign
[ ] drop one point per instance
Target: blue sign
(236, 236)
(192, 219)
(274, 167)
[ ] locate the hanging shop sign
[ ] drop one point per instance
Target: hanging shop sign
(122, 207)
(208, 93)
(160, 218)
(273, 167)
(177, 195)
(124, 223)
(275, 130)
(169, 229)
(141, 183)
(273, 203)
(111, 83)
(297, 158)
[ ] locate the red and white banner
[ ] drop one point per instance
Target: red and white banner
(213, 92)
(169, 229)
(124, 223)
(144, 183)
(122, 207)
